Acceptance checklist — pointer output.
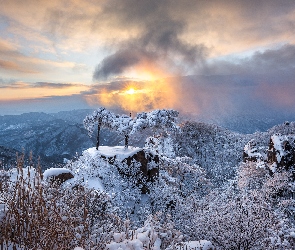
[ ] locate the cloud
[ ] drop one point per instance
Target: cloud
(46, 85)
(158, 43)
(50, 85)
(197, 95)
(12, 66)
(24, 91)
(17, 63)
(153, 40)
(275, 61)
(174, 36)
(117, 63)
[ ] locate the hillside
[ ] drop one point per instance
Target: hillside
(53, 137)
(193, 187)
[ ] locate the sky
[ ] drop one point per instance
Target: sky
(207, 58)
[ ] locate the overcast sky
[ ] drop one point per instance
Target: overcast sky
(61, 55)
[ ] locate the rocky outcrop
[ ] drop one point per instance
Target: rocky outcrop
(142, 166)
(281, 154)
(250, 152)
(281, 151)
(58, 175)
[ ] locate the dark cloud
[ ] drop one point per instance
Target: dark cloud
(161, 27)
(22, 85)
(281, 59)
(54, 85)
(160, 40)
(271, 62)
(118, 62)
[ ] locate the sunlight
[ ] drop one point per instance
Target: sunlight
(130, 91)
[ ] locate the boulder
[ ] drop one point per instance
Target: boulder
(281, 154)
(250, 152)
(142, 165)
(281, 151)
(58, 175)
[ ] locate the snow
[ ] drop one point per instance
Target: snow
(120, 152)
(94, 183)
(196, 245)
(28, 173)
(124, 124)
(251, 150)
(277, 141)
(126, 245)
(273, 167)
(55, 172)
(140, 240)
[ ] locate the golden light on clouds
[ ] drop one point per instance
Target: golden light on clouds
(137, 97)
(23, 91)
(130, 91)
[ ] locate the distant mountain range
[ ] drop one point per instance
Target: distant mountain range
(53, 137)
(59, 136)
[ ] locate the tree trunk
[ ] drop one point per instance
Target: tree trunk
(126, 141)
(97, 138)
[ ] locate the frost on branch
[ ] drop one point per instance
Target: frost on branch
(160, 119)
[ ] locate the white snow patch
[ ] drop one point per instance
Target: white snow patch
(251, 150)
(119, 151)
(278, 141)
(94, 183)
(28, 174)
(273, 167)
(196, 245)
(55, 172)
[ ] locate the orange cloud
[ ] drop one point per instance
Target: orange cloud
(24, 91)
(136, 97)
(12, 66)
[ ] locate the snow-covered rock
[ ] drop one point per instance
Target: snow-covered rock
(195, 245)
(281, 151)
(58, 174)
(251, 152)
(142, 238)
(140, 164)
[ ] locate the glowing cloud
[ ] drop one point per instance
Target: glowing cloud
(136, 96)
(25, 91)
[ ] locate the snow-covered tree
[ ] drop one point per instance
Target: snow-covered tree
(123, 125)
(163, 120)
(101, 117)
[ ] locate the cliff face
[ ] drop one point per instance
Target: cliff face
(142, 165)
(281, 151)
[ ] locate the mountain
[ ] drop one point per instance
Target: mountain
(54, 137)
(189, 186)
(7, 157)
(58, 136)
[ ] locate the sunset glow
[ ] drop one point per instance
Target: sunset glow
(26, 91)
(130, 91)
(197, 56)
(145, 96)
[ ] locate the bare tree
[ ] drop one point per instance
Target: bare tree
(100, 117)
